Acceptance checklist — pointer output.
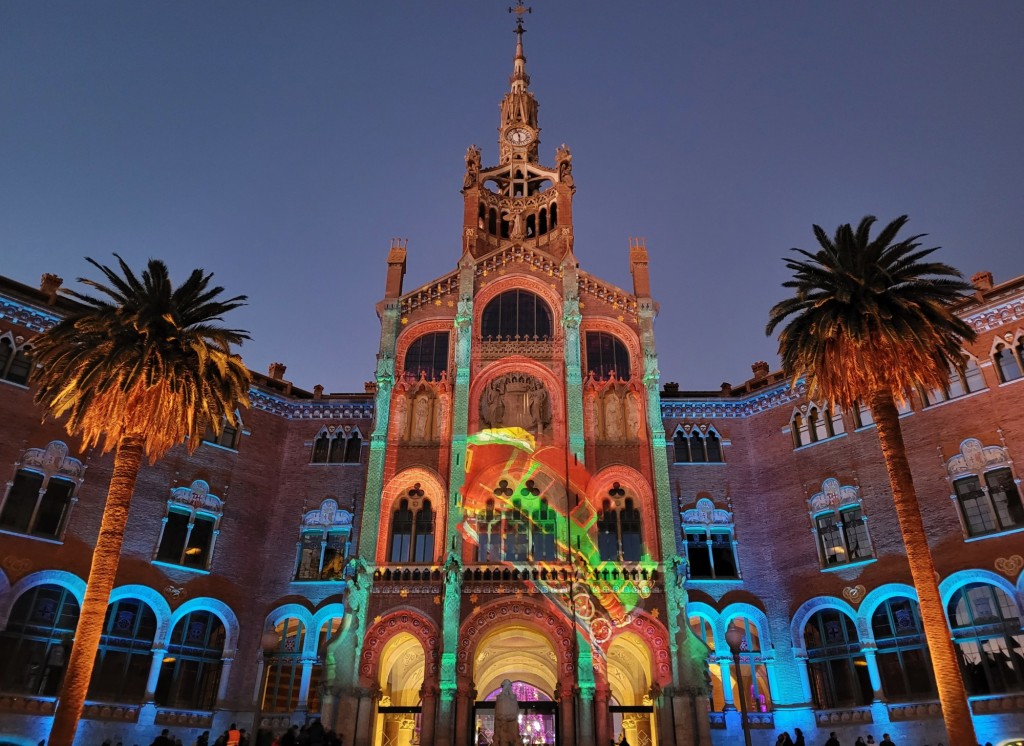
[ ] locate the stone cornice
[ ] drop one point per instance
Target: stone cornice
(706, 409)
(30, 317)
(323, 409)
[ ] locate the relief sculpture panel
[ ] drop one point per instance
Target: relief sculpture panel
(516, 400)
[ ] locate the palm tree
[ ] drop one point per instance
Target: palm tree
(870, 321)
(137, 370)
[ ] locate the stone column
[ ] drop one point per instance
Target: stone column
(364, 718)
(602, 717)
(464, 699)
(329, 708)
(155, 667)
(585, 734)
(874, 674)
(428, 713)
(225, 676)
(724, 665)
(567, 712)
(805, 677)
(307, 675)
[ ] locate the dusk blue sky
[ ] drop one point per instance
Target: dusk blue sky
(282, 145)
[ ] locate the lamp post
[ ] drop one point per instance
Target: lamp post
(735, 636)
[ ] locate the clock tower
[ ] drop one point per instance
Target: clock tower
(519, 200)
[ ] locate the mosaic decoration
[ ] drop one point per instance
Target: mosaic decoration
(505, 465)
(854, 593)
(1010, 566)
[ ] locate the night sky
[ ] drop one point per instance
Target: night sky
(282, 145)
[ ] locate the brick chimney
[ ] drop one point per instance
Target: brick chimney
(49, 284)
(982, 281)
(318, 392)
(671, 387)
(276, 371)
(760, 369)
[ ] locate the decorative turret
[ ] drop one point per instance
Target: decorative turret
(518, 202)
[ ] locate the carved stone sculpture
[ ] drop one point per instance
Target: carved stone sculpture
(506, 717)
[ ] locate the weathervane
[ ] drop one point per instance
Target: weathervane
(519, 10)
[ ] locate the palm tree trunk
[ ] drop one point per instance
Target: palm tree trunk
(956, 711)
(97, 592)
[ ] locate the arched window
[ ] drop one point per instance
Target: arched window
(39, 498)
(1008, 361)
(801, 434)
(542, 533)
(283, 667)
(543, 221)
(125, 654)
(958, 385)
(191, 669)
(15, 362)
(412, 529)
(517, 534)
(698, 447)
(191, 526)
(328, 631)
(835, 664)
(985, 489)
(324, 542)
(516, 314)
(709, 542)
(492, 222)
(321, 448)
(553, 213)
(755, 674)
(228, 436)
(606, 353)
(489, 526)
(840, 524)
(428, 355)
(619, 530)
(37, 641)
(820, 422)
(989, 638)
(903, 660)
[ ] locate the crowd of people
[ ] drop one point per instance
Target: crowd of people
(784, 739)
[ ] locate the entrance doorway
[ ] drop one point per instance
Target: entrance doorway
(397, 722)
(538, 717)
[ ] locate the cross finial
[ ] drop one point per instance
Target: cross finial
(519, 9)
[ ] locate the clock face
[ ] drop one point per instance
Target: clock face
(519, 136)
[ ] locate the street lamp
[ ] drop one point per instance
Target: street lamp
(735, 636)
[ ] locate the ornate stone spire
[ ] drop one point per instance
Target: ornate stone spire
(518, 128)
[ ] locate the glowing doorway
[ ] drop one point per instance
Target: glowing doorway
(400, 677)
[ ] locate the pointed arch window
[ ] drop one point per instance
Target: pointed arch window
(190, 673)
(697, 447)
(989, 637)
(816, 422)
(710, 545)
(324, 542)
(837, 668)
(37, 640)
(229, 434)
(125, 655)
(542, 528)
(524, 530)
(619, 529)
(903, 661)
(38, 501)
(412, 529)
(341, 445)
(190, 528)
(1009, 359)
(15, 361)
(985, 488)
(959, 385)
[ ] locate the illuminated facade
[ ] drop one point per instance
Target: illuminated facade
(516, 496)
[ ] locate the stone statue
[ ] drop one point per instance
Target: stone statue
(564, 158)
(632, 417)
(612, 417)
(472, 166)
(401, 414)
(506, 717)
(420, 418)
(492, 406)
(540, 410)
(518, 228)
